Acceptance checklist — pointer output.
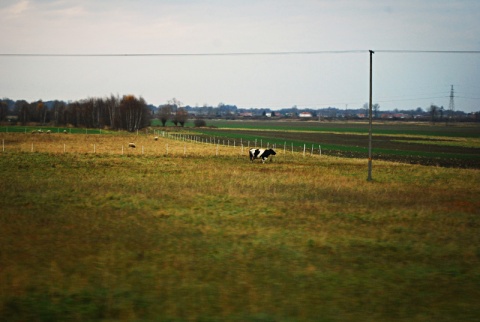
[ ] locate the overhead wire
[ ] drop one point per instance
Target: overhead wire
(267, 53)
(271, 53)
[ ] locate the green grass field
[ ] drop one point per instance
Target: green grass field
(195, 235)
(455, 145)
(381, 128)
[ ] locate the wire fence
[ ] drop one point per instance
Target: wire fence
(150, 142)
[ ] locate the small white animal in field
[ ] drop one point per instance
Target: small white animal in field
(156, 138)
(131, 145)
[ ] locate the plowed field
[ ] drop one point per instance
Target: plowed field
(462, 149)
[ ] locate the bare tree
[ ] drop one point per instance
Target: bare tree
(112, 105)
(41, 112)
(181, 116)
(132, 111)
(58, 110)
(175, 104)
(22, 110)
(3, 110)
(165, 113)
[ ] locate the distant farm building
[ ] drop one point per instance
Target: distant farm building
(305, 114)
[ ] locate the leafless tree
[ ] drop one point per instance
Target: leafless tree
(3, 110)
(112, 106)
(132, 110)
(165, 113)
(181, 116)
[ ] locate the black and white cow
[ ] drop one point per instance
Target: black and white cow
(261, 154)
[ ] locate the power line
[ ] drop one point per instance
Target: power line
(468, 98)
(270, 53)
(408, 99)
(402, 51)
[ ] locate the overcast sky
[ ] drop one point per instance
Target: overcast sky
(341, 30)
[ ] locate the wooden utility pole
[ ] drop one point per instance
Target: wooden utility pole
(370, 123)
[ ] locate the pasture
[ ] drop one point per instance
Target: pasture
(186, 231)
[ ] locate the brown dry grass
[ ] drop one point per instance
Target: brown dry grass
(196, 236)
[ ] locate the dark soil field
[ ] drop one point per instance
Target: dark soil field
(426, 145)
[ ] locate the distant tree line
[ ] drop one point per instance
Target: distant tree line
(131, 113)
(118, 113)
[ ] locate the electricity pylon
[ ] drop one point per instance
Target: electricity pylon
(451, 105)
